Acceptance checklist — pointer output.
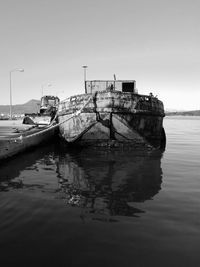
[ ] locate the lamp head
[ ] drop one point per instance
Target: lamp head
(21, 70)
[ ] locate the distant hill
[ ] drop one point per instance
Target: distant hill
(29, 107)
(183, 113)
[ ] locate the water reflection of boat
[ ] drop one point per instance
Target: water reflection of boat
(10, 177)
(109, 183)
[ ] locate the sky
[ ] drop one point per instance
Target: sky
(155, 42)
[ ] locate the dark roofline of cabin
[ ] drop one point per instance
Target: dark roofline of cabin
(110, 80)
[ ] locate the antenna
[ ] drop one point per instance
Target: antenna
(114, 81)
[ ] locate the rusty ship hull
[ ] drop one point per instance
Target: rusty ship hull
(112, 118)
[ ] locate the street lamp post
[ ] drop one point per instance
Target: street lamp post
(43, 86)
(21, 70)
(85, 67)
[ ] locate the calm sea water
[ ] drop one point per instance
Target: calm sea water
(97, 208)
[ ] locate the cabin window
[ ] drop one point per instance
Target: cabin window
(128, 87)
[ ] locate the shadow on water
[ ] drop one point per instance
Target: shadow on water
(108, 183)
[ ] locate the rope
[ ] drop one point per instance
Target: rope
(52, 122)
(77, 112)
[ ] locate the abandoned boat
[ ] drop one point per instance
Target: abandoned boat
(47, 111)
(112, 113)
(35, 129)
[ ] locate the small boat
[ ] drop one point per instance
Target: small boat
(47, 112)
(112, 113)
(35, 129)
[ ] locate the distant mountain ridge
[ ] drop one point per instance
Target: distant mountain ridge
(29, 107)
(183, 113)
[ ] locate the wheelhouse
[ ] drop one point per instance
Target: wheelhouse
(48, 102)
(128, 86)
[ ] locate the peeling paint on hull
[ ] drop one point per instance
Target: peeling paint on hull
(112, 118)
